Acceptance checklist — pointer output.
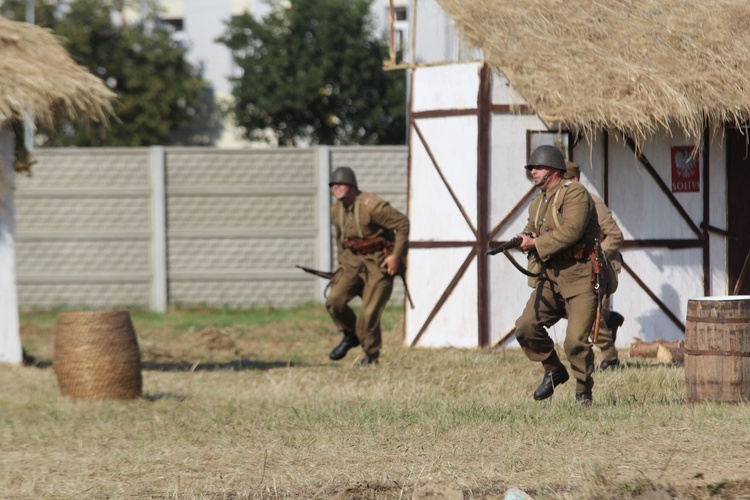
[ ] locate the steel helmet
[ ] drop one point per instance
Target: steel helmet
(547, 156)
(343, 175)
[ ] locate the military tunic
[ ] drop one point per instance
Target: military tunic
(368, 216)
(612, 239)
(564, 220)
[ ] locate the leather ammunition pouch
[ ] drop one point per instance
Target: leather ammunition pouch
(367, 245)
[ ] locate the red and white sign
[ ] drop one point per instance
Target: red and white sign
(686, 172)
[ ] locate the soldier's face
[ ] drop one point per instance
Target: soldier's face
(541, 176)
(342, 191)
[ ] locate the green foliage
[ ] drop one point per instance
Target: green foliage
(160, 95)
(313, 71)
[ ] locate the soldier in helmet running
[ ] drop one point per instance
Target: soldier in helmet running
(563, 227)
(372, 240)
(611, 240)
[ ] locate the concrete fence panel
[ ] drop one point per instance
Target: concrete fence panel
(152, 227)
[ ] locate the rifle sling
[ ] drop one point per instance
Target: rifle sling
(519, 267)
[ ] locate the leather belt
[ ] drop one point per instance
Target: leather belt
(579, 251)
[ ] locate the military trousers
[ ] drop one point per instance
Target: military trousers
(605, 341)
(547, 306)
(375, 286)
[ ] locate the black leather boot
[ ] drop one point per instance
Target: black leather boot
(551, 380)
(584, 399)
(614, 321)
(340, 350)
(609, 364)
(369, 360)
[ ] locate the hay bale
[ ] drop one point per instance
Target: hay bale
(96, 355)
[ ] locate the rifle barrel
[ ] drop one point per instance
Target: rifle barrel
(321, 274)
(512, 243)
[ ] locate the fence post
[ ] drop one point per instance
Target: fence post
(158, 231)
(325, 256)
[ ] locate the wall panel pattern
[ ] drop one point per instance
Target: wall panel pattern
(83, 229)
(237, 222)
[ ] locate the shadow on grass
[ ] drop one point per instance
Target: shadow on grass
(164, 395)
(638, 364)
(235, 365)
(186, 366)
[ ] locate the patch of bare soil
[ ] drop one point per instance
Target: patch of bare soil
(368, 490)
(447, 489)
(213, 339)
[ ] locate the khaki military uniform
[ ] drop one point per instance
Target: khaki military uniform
(368, 216)
(612, 238)
(564, 220)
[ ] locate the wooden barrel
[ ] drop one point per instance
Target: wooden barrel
(97, 356)
(717, 349)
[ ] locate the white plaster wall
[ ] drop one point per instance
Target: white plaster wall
(655, 217)
(434, 214)
(430, 272)
(643, 211)
(718, 213)
(446, 87)
(10, 340)
(503, 93)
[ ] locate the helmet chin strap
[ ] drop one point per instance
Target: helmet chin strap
(544, 179)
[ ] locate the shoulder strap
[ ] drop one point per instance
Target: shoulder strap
(357, 223)
(554, 205)
(341, 220)
(356, 219)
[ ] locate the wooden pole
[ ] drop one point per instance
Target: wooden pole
(743, 273)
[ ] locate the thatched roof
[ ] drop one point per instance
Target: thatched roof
(631, 65)
(38, 75)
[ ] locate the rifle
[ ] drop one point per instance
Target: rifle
(328, 275)
(322, 274)
(402, 272)
(514, 242)
(598, 285)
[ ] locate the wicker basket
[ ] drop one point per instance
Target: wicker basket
(96, 355)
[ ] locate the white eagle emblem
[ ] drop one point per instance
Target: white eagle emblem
(685, 162)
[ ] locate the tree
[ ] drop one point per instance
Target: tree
(313, 71)
(160, 95)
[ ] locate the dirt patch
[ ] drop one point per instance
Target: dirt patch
(369, 490)
(213, 339)
(430, 488)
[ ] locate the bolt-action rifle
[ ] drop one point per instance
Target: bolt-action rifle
(514, 242)
(329, 275)
(322, 274)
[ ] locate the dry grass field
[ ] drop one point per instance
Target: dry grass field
(247, 405)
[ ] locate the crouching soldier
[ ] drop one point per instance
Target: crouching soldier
(372, 239)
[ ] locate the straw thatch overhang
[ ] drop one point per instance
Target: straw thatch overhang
(630, 65)
(38, 76)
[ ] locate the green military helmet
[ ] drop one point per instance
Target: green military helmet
(343, 175)
(547, 156)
